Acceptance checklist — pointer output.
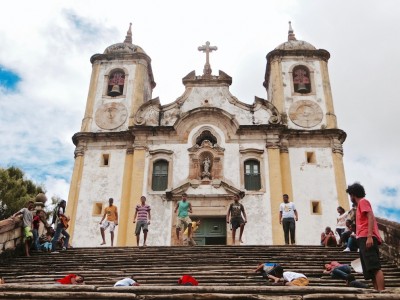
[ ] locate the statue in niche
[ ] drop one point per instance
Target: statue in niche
(206, 167)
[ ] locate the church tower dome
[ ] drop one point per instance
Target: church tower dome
(294, 44)
(125, 47)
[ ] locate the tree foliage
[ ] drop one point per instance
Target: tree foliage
(15, 191)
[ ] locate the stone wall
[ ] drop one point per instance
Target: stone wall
(390, 232)
(10, 233)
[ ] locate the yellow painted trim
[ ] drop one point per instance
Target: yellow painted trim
(330, 113)
(287, 187)
(86, 122)
(340, 179)
(73, 195)
(138, 91)
(125, 200)
(275, 184)
(136, 191)
(277, 85)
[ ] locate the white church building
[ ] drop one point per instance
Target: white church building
(130, 145)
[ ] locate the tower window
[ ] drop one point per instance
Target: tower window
(301, 80)
(160, 176)
(252, 177)
(97, 208)
(311, 159)
(105, 160)
(116, 83)
(315, 207)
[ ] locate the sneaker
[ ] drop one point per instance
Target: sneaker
(63, 249)
(347, 250)
(358, 250)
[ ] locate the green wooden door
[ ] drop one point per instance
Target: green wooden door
(212, 231)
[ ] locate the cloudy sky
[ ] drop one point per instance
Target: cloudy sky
(45, 71)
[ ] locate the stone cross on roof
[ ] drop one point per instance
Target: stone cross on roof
(207, 49)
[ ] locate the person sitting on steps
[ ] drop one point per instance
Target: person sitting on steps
(328, 238)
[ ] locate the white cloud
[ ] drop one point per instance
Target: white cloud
(49, 47)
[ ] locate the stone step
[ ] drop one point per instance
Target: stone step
(222, 271)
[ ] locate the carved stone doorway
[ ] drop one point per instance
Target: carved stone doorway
(212, 231)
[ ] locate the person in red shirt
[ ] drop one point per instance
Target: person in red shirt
(35, 228)
(72, 279)
(368, 236)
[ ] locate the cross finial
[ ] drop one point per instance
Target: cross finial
(207, 49)
(128, 38)
(291, 36)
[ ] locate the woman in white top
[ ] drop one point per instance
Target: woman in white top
(341, 220)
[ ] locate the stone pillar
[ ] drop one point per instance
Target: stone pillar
(330, 113)
(74, 189)
(137, 180)
(124, 222)
(275, 185)
(87, 120)
(277, 85)
(285, 169)
(337, 155)
(138, 90)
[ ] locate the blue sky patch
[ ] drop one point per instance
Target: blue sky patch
(390, 191)
(8, 79)
(82, 24)
(390, 213)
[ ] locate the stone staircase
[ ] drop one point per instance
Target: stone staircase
(223, 272)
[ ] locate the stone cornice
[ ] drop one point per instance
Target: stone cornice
(102, 136)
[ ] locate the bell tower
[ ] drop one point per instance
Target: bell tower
(121, 81)
(297, 82)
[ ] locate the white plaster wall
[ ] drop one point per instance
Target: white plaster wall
(313, 182)
(258, 228)
(101, 98)
(99, 183)
(316, 96)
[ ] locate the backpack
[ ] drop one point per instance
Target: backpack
(269, 269)
(55, 214)
(187, 280)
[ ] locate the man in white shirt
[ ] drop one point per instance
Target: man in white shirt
(287, 217)
(128, 281)
(289, 278)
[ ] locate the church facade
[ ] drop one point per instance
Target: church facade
(210, 145)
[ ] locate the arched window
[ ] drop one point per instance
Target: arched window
(116, 83)
(160, 175)
(252, 177)
(301, 80)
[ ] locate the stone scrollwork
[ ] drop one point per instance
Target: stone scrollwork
(305, 113)
(337, 146)
(79, 151)
(273, 142)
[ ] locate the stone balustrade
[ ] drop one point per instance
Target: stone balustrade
(10, 233)
(390, 232)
